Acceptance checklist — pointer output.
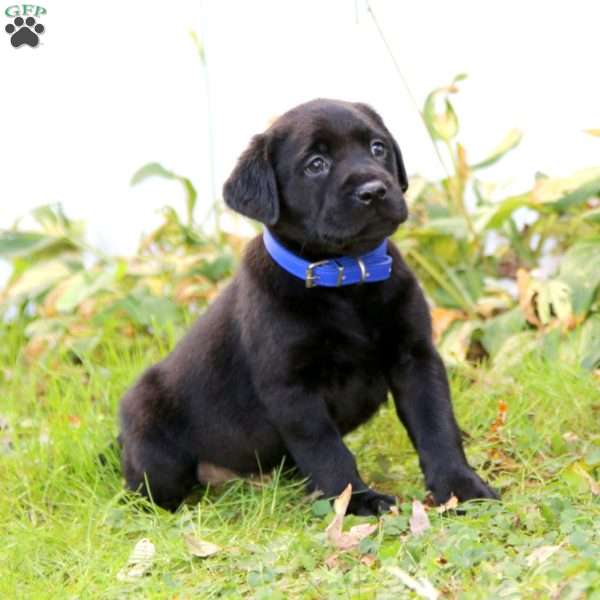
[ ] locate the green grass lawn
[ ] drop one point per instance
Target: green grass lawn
(67, 528)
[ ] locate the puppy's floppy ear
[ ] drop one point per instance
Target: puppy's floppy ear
(252, 188)
(402, 177)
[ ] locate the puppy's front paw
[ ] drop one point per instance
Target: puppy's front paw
(463, 482)
(369, 502)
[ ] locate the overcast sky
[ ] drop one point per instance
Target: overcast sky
(114, 85)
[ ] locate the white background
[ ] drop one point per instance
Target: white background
(114, 85)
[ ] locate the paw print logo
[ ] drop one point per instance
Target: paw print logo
(24, 32)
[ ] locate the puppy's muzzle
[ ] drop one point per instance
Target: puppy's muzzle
(370, 191)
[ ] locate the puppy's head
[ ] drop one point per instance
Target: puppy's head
(327, 178)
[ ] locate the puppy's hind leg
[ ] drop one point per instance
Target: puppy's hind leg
(158, 473)
(155, 459)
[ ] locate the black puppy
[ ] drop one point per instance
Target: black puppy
(284, 363)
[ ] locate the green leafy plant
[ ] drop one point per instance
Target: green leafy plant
(475, 256)
(70, 291)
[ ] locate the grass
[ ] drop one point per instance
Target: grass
(67, 528)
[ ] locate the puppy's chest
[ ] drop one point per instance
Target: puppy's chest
(343, 360)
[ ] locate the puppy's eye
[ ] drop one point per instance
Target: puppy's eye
(378, 149)
(316, 165)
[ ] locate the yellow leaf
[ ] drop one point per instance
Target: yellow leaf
(441, 318)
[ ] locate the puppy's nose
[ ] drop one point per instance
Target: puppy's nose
(372, 190)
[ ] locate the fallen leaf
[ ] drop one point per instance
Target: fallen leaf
(570, 437)
(139, 562)
(368, 559)
(594, 485)
(74, 421)
(500, 419)
(198, 547)
(350, 539)
(422, 587)
(331, 562)
(527, 292)
(340, 504)
(502, 462)
(442, 318)
(540, 555)
(419, 521)
(429, 500)
(209, 473)
(451, 504)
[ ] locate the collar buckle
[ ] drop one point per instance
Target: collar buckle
(363, 270)
(311, 278)
(341, 276)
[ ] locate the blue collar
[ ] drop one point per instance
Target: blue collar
(332, 272)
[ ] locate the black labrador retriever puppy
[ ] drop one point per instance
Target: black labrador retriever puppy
(322, 320)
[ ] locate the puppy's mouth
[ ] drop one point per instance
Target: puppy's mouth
(362, 240)
(359, 235)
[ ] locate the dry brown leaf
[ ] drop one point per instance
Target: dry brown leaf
(422, 587)
(74, 421)
(441, 319)
(209, 473)
(526, 292)
(87, 308)
(198, 547)
(451, 504)
(331, 562)
(368, 559)
(35, 348)
(540, 555)
(351, 538)
(500, 419)
(139, 562)
(419, 521)
(502, 461)
(594, 486)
